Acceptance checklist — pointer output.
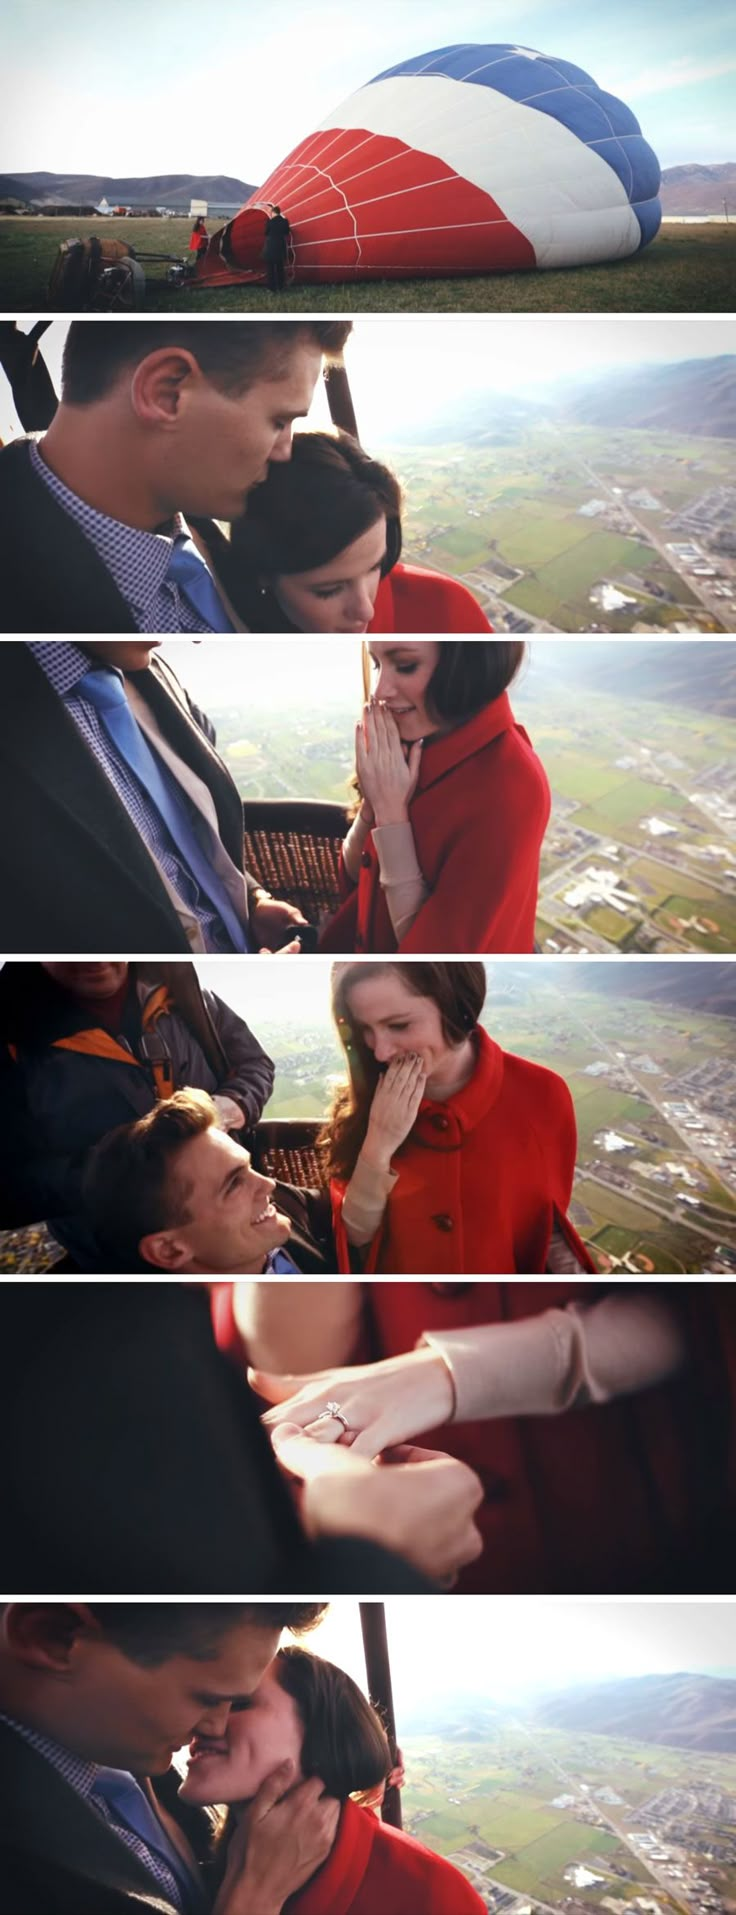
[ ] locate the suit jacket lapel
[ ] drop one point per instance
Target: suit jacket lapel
(63, 767)
(40, 1813)
(84, 593)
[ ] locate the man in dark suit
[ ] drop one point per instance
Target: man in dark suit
(108, 525)
(275, 245)
(135, 1459)
(177, 1193)
(94, 1702)
(91, 863)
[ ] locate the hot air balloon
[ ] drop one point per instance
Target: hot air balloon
(470, 159)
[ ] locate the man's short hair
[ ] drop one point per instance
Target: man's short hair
(232, 356)
(152, 1633)
(132, 1186)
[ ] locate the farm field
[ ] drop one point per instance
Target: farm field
(519, 1806)
(688, 269)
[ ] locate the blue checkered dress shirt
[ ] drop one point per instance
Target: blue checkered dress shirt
(80, 1776)
(137, 561)
(64, 664)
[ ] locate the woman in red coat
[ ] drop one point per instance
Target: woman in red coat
(444, 852)
(447, 1155)
(310, 1711)
(319, 550)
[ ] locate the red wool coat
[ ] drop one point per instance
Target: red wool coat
(599, 1498)
(377, 1870)
(482, 1178)
(412, 599)
(478, 815)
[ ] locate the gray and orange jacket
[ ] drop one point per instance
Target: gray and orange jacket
(64, 1086)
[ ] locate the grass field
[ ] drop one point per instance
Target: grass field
(688, 269)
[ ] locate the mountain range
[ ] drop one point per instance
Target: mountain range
(693, 396)
(685, 189)
(686, 1711)
(155, 189)
(698, 189)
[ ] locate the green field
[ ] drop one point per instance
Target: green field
(687, 269)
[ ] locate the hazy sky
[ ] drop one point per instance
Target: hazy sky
(404, 367)
(131, 88)
(523, 1644)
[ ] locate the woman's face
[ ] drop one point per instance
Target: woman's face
(231, 1767)
(402, 676)
(339, 596)
(391, 1020)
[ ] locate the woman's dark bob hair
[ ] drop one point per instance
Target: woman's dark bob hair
(458, 990)
(308, 510)
(345, 1743)
(470, 673)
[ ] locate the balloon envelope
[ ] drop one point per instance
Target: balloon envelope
(470, 159)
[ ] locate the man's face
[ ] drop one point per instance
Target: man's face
(128, 655)
(224, 442)
(129, 1717)
(88, 980)
(233, 1222)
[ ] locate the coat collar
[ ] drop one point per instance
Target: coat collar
(446, 749)
(333, 1889)
(39, 1812)
(442, 1125)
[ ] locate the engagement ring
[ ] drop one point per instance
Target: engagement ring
(333, 1410)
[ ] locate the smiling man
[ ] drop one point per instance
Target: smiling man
(176, 1192)
(108, 523)
(94, 1701)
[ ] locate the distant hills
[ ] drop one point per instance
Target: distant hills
(697, 673)
(154, 189)
(696, 396)
(677, 986)
(698, 189)
(685, 189)
(685, 1711)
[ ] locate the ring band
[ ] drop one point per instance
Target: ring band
(332, 1412)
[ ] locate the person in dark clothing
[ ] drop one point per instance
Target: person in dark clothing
(110, 522)
(92, 861)
(135, 1458)
(94, 1702)
(174, 1192)
(275, 246)
(86, 1047)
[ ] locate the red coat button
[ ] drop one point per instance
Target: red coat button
(366, 860)
(441, 1122)
(443, 1221)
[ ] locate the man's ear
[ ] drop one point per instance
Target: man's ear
(44, 1635)
(158, 383)
(165, 1250)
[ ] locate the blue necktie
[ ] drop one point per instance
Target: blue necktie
(187, 569)
(105, 690)
(131, 1807)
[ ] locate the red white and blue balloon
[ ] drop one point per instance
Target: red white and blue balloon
(470, 159)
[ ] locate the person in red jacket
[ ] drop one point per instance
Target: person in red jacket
(447, 1155)
(319, 550)
(443, 854)
(309, 1711)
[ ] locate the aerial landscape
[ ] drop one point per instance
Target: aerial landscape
(581, 1818)
(606, 506)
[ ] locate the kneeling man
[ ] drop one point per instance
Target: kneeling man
(175, 1192)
